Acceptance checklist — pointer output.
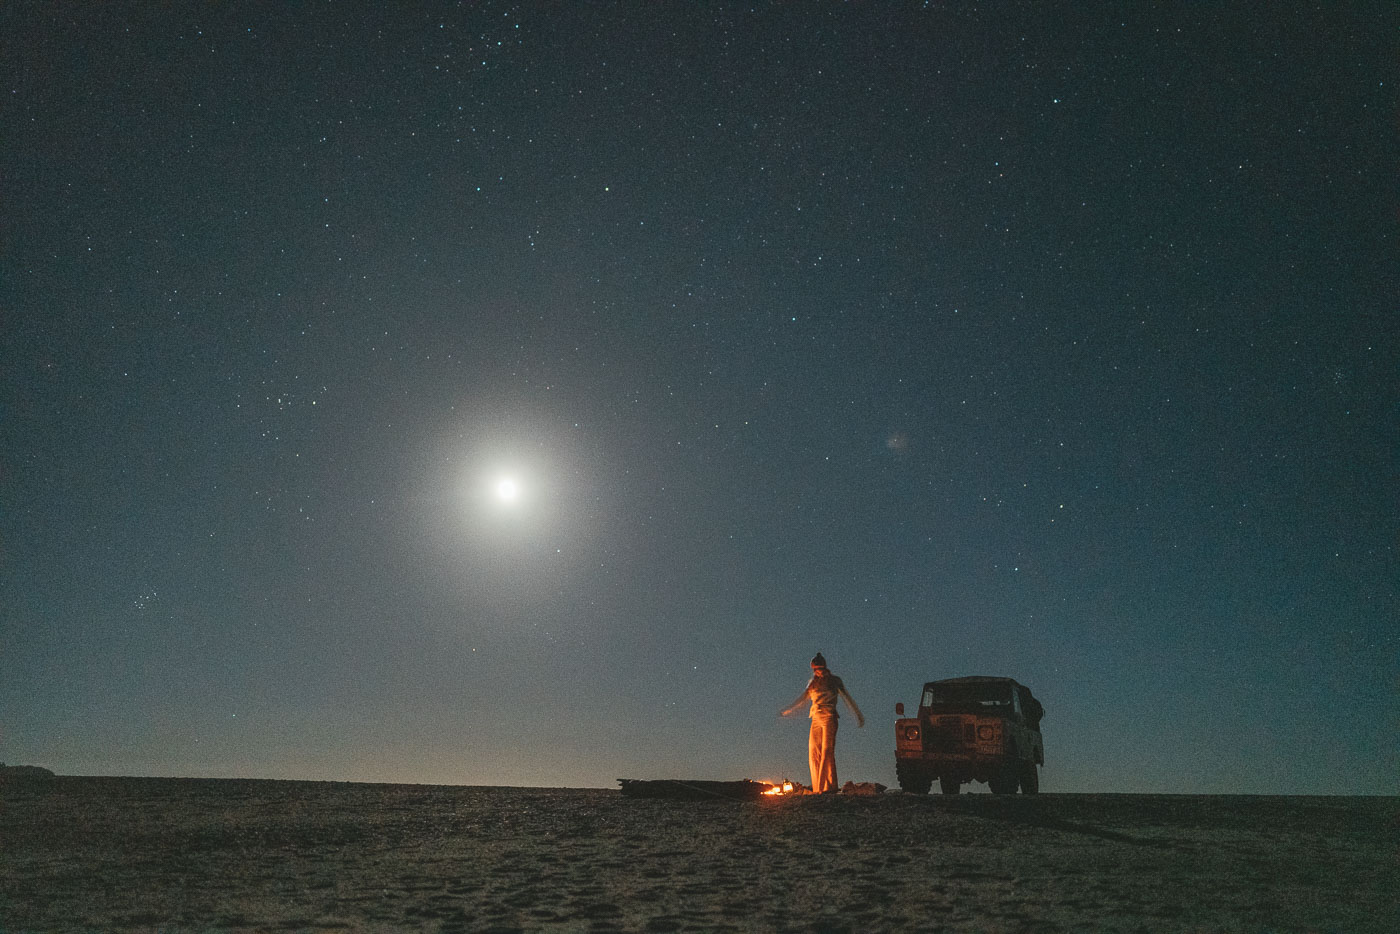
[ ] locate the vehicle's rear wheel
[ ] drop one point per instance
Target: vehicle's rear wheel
(1030, 779)
(949, 786)
(912, 778)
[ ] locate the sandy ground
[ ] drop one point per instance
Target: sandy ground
(90, 854)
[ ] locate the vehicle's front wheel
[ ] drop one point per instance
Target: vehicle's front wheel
(1005, 781)
(912, 779)
(949, 786)
(1030, 779)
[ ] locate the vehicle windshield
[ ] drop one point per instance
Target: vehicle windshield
(973, 697)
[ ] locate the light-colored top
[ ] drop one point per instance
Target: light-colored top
(822, 692)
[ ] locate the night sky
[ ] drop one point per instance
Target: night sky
(942, 340)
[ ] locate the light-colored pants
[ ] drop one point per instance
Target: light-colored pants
(821, 753)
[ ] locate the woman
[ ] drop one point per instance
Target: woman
(822, 692)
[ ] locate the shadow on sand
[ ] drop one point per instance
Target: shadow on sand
(1034, 811)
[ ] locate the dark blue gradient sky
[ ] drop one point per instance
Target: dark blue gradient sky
(941, 341)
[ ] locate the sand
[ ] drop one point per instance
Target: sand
(92, 854)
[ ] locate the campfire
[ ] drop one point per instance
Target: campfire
(706, 790)
(745, 790)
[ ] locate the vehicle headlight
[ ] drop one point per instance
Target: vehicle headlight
(911, 732)
(986, 732)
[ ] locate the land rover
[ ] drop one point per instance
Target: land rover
(971, 729)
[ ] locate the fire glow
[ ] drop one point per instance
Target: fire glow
(784, 787)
